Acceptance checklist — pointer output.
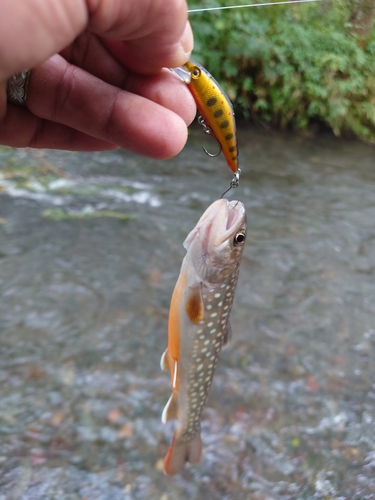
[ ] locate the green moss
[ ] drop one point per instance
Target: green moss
(58, 214)
(291, 65)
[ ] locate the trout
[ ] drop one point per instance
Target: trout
(198, 324)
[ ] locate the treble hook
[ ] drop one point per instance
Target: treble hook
(208, 131)
(234, 183)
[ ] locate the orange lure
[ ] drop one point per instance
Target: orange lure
(214, 107)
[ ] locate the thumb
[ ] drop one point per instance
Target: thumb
(145, 35)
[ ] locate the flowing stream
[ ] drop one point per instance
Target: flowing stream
(90, 249)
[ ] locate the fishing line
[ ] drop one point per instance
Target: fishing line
(252, 5)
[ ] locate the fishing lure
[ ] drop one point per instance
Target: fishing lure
(216, 111)
(198, 324)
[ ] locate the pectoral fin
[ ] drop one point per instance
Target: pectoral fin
(171, 408)
(194, 303)
(164, 361)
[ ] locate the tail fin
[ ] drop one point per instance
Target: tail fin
(180, 452)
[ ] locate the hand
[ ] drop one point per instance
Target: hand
(97, 80)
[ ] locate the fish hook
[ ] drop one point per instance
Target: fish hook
(208, 131)
(234, 183)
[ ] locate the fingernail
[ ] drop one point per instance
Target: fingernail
(187, 41)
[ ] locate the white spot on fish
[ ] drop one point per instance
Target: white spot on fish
(209, 306)
(217, 295)
(213, 330)
(209, 324)
(199, 367)
(213, 315)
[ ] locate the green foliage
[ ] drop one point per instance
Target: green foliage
(291, 65)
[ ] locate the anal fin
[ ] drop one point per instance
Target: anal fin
(171, 408)
(228, 335)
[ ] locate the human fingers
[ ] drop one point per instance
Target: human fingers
(89, 53)
(164, 88)
(156, 29)
(71, 96)
(145, 35)
(33, 31)
(20, 129)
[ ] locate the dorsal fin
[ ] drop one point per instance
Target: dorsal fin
(194, 303)
(171, 408)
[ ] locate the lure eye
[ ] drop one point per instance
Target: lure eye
(240, 238)
(196, 72)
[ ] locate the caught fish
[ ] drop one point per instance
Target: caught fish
(215, 108)
(199, 322)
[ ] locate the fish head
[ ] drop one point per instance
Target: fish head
(216, 243)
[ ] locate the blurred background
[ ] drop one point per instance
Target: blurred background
(91, 247)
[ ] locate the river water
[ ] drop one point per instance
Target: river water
(90, 249)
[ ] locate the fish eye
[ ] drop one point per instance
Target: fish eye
(196, 72)
(239, 238)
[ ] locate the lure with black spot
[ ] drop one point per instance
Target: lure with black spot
(216, 109)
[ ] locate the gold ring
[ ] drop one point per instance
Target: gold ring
(17, 88)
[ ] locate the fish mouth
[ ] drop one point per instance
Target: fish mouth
(219, 223)
(230, 217)
(233, 213)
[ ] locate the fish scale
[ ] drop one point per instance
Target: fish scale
(198, 323)
(209, 338)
